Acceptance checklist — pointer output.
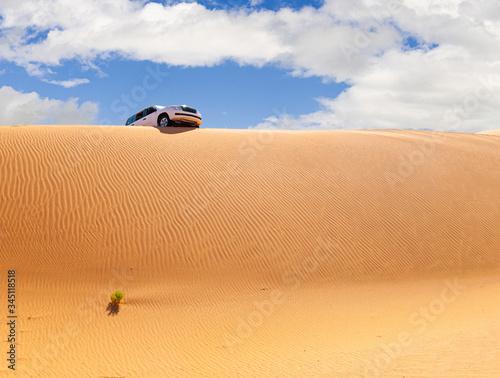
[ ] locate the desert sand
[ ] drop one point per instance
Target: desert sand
(250, 253)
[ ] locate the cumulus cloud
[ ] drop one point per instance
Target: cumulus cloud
(181, 34)
(18, 108)
(455, 45)
(449, 79)
(41, 34)
(416, 90)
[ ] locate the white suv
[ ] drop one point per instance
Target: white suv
(165, 116)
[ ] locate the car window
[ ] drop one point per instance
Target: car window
(150, 110)
(130, 120)
(139, 115)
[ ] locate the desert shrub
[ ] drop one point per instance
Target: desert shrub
(116, 297)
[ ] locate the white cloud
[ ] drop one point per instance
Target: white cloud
(416, 90)
(452, 83)
(41, 34)
(20, 108)
(360, 42)
(180, 34)
(67, 83)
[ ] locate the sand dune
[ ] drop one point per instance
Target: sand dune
(250, 253)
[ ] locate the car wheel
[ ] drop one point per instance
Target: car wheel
(164, 121)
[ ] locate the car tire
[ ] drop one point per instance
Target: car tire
(164, 121)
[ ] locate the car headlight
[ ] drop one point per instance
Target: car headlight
(175, 107)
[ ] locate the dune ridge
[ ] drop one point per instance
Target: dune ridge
(319, 233)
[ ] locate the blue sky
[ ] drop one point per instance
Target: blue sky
(256, 4)
(227, 95)
(267, 64)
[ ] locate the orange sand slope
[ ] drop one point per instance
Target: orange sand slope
(251, 253)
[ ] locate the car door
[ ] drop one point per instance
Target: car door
(150, 119)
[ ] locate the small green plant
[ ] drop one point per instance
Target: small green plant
(116, 297)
